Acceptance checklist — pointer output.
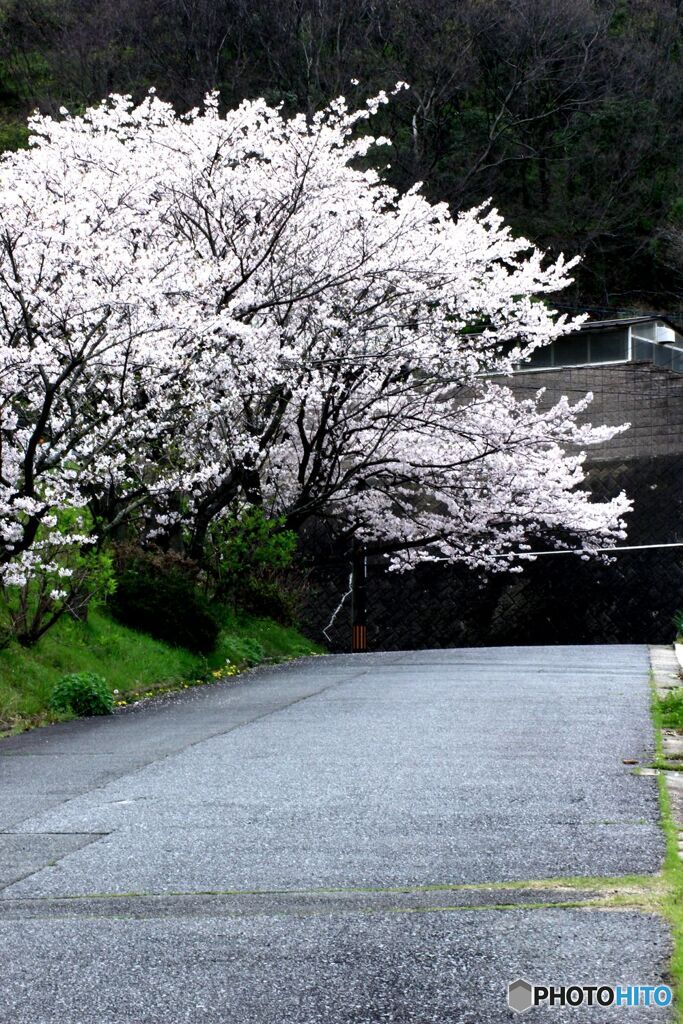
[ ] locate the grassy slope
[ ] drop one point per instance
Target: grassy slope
(131, 662)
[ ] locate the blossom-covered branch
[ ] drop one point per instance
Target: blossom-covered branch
(203, 309)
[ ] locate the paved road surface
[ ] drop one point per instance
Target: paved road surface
(296, 847)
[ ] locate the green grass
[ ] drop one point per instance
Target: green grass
(132, 663)
(667, 713)
(672, 901)
(670, 709)
(248, 640)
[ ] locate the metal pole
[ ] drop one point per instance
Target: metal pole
(359, 609)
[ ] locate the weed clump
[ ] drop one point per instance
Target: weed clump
(671, 709)
(83, 693)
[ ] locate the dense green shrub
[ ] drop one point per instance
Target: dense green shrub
(83, 693)
(245, 542)
(156, 592)
(249, 564)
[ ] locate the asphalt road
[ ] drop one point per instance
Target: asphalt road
(341, 840)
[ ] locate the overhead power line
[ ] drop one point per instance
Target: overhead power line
(583, 551)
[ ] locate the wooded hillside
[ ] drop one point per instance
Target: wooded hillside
(566, 112)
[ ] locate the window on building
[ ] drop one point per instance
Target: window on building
(570, 350)
(659, 332)
(581, 349)
(540, 358)
(607, 346)
(650, 341)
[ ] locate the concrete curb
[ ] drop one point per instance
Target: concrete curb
(665, 669)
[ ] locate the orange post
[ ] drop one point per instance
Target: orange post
(359, 610)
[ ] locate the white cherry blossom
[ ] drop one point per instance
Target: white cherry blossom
(204, 309)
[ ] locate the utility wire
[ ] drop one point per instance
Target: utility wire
(582, 551)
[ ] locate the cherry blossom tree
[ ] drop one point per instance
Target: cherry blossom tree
(84, 355)
(204, 310)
